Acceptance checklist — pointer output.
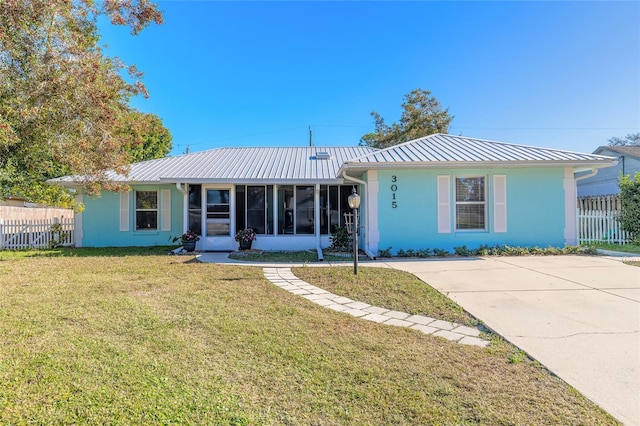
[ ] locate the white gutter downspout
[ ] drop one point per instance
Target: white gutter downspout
(572, 222)
(185, 211)
(366, 213)
(316, 219)
(185, 206)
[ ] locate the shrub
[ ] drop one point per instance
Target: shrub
(462, 251)
(440, 252)
(385, 252)
(425, 252)
(630, 206)
(340, 239)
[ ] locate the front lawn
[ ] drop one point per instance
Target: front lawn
(625, 248)
(143, 338)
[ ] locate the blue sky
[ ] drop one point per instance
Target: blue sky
(554, 74)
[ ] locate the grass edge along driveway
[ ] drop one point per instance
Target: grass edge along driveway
(146, 339)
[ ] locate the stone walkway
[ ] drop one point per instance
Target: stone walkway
(284, 278)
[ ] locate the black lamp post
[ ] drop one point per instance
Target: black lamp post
(354, 203)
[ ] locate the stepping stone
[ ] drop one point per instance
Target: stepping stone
(454, 337)
(444, 325)
(283, 278)
(420, 319)
(398, 322)
(396, 314)
(375, 318)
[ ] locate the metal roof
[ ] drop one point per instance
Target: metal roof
(633, 151)
(243, 165)
(315, 164)
(450, 150)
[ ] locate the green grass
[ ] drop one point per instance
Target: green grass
(387, 288)
(626, 248)
(134, 338)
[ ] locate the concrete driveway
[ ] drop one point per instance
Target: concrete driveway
(577, 315)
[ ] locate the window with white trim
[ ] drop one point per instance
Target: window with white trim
(471, 206)
(296, 209)
(334, 203)
(146, 210)
(254, 208)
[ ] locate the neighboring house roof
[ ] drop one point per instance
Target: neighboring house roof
(449, 150)
(243, 165)
(632, 151)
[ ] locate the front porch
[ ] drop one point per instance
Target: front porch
(284, 217)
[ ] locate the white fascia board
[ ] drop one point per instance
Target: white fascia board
(476, 164)
(253, 181)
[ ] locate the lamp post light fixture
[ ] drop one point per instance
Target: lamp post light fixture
(354, 203)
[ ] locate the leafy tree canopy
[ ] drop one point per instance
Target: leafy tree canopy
(422, 115)
(63, 104)
(632, 139)
(149, 139)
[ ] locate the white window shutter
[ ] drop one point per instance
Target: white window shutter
(165, 211)
(500, 203)
(444, 209)
(124, 211)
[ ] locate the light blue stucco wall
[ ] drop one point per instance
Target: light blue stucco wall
(101, 220)
(535, 209)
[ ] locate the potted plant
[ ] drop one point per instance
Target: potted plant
(245, 238)
(189, 240)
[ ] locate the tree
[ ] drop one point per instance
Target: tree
(422, 115)
(148, 137)
(63, 104)
(632, 139)
(630, 205)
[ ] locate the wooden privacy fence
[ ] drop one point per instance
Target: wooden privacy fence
(598, 220)
(37, 233)
(33, 213)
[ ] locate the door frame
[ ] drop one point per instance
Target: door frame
(219, 242)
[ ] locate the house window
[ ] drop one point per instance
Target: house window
(195, 208)
(296, 209)
(305, 209)
(333, 204)
(253, 209)
(146, 210)
(471, 206)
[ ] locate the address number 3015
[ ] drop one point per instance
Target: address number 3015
(394, 189)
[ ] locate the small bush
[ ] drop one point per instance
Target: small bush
(440, 252)
(385, 252)
(425, 252)
(340, 239)
(462, 251)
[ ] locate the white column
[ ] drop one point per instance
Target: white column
(372, 233)
(570, 206)
(77, 222)
(316, 213)
(275, 210)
